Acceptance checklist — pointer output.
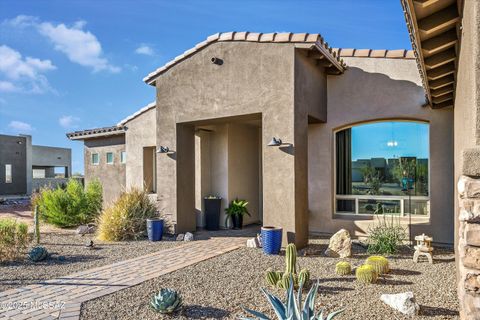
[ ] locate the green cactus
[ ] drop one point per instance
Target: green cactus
(366, 274)
(303, 277)
(166, 301)
(379, 263)
(272, 277)
(343, 268)
(284, 283)
(291, 259)
(38, 254)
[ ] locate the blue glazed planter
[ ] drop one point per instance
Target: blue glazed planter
(155, 229)
(271, 240)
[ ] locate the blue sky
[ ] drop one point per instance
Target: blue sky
(70, 65)
(391, 139)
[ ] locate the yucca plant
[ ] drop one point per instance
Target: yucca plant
(293, 310)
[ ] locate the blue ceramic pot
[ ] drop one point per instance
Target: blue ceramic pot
(271, 240)
(155, 229)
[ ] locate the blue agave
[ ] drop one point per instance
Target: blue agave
(291, 310)
(38, 254)
(166, 301)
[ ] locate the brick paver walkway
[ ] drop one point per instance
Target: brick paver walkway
(61, 298)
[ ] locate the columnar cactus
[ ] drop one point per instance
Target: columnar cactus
(291, 259)
(282, 279)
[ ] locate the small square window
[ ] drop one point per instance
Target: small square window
(109, 157)
(95, 159)
(123, 157)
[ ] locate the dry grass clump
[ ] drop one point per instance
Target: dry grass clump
(126, 219)
(13, 239)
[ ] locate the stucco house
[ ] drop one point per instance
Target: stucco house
(220, 104)
(349, 126)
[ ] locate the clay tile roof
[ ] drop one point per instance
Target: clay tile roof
(369, 53)
(314, 39)
(97, 132)
(149, 106)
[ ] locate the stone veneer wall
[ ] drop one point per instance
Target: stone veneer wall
(469, 246)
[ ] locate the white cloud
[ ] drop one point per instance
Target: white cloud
(20, 21)
(144, 49)
(23, 74)
(20, 127)
(80, 46)
(68, 121)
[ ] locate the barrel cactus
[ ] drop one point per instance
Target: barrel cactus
(379, 263)
(366, 274)
(38, 254)
(343, 268)
(282, 279)
(166, 301)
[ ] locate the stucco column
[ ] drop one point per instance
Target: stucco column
(285, 178)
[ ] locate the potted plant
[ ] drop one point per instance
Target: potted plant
(213, 206)
(155, 228)
(235, 211)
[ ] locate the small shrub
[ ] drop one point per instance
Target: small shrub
(126, 218)
(366, 274)
(71, 206)
(386, 237)
(13, 239)
(343, 268)
(379, 263)
(38, 254)
(166, 301)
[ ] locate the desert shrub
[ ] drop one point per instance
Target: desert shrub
(71, 206)
(386, 237)
(13, 239)
(126, 218)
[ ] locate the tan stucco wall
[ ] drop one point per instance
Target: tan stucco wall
(375, 89)
(255, 77)
(111, 176)
(140, 133)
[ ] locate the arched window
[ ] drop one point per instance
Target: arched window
(379, 166)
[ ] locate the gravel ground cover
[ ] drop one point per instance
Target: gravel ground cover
(77, 257)
(217, 288)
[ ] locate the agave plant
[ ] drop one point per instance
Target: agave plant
(166, 301)
(291, 310)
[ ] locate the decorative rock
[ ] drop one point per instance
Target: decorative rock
(259, 240)
(403, 302)
(180, 237)
(253, 243)
(85, 229)
(340, 245)
(90, 245)
(188, 237)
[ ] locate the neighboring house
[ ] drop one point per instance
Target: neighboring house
(107, 149)
(220, 104)
(25, 168)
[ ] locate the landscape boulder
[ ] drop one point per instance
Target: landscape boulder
(403, 302)
(253, 243)
(340, 245)
(85, 229)
(180, 237)
(188, 237)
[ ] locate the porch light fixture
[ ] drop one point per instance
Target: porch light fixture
(275, 142)
(163, 149)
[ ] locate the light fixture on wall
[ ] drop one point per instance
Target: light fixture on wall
(163, 149)
(275, 142)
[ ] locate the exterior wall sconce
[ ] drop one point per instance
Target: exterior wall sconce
(217, 61)
(275, 142)
(163, 149)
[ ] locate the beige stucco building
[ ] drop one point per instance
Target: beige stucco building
(219, 104)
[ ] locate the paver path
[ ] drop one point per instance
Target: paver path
(61, 298)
